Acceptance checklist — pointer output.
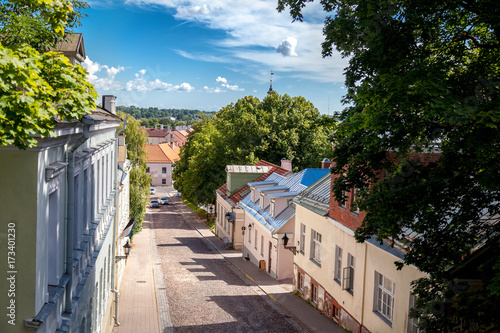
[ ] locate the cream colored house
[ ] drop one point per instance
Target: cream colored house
(355, 284)
(229, 221)
(161, 161)
(269, 217)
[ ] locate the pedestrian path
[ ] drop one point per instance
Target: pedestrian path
(138, 305)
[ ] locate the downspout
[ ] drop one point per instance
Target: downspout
(115, 227)
(364, 285)
(70, 211)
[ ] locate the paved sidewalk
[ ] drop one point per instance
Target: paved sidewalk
(138, 306)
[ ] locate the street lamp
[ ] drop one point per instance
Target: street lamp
(285, 243)
(126, 250)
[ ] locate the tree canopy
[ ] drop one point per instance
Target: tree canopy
(38, 87)
(244, 132)
(423, 76)
(136, 139)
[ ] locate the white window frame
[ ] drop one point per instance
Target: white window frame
(413, 322)
(256, 239)
(348, 280)
(302, 237)
(384, 296)
(314, 291)
(337, 274)
(300, 287)
(316, 246)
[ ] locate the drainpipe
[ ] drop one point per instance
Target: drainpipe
(115, 227)
(70, 211)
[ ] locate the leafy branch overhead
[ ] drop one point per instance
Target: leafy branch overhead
(423, 77)
(38, 88)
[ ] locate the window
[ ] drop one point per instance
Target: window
(336, 313)
(354, 196)
(348, 282)
(249, 235)
(256, 238)
(413, 322)
(164, 182)
(147, 169)
(262, 245)
(164, 170)
(301, 282)
(338, 264)
(261, 203)
(316, 246)
(302, 237)
(384, 296)
(314, 294)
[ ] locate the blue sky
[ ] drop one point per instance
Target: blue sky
(207, 54)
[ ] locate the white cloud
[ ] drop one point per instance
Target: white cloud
(215, 90)
(141, 84)
(287, 47)
(106, 82)
(254, 29)
(234, 88)
(221, 79)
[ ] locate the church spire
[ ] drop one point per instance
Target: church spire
(271, 85)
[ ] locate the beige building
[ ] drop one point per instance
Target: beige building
(269, 216)
(229, 221)
(355, 284)
(161, 161)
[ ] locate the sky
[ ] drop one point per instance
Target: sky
(193, 54)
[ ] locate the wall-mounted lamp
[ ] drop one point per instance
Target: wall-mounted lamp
(229, 217)
(126, 250)
(285, 243)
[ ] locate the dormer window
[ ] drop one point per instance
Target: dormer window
(272, 209)
(261, 203)
(252, 195)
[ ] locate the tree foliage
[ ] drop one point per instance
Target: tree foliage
(246, 131)
(37, 87)
(140, 182)
(423, 76)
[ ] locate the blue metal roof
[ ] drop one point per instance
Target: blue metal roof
(281, 195)
(273, 188)
(291, 186)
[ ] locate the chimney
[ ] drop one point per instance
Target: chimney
(161, 126)
(156, 127)
(109, 103)
(326, 163)
(286, 164)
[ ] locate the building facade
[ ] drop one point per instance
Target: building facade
(355, 284)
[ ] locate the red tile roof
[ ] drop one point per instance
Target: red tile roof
(157, 133)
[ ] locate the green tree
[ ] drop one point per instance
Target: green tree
(136, 139)
(246, 131)
(38, 88)
(423, 76)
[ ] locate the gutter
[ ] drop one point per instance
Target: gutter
(115, 227)
(70, 209)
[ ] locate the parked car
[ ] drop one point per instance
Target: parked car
(155, 204)
(152, 191)
(164, 201)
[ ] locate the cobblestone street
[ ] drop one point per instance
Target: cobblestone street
(205, 292)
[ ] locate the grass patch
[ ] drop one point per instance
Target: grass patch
(202, 214)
